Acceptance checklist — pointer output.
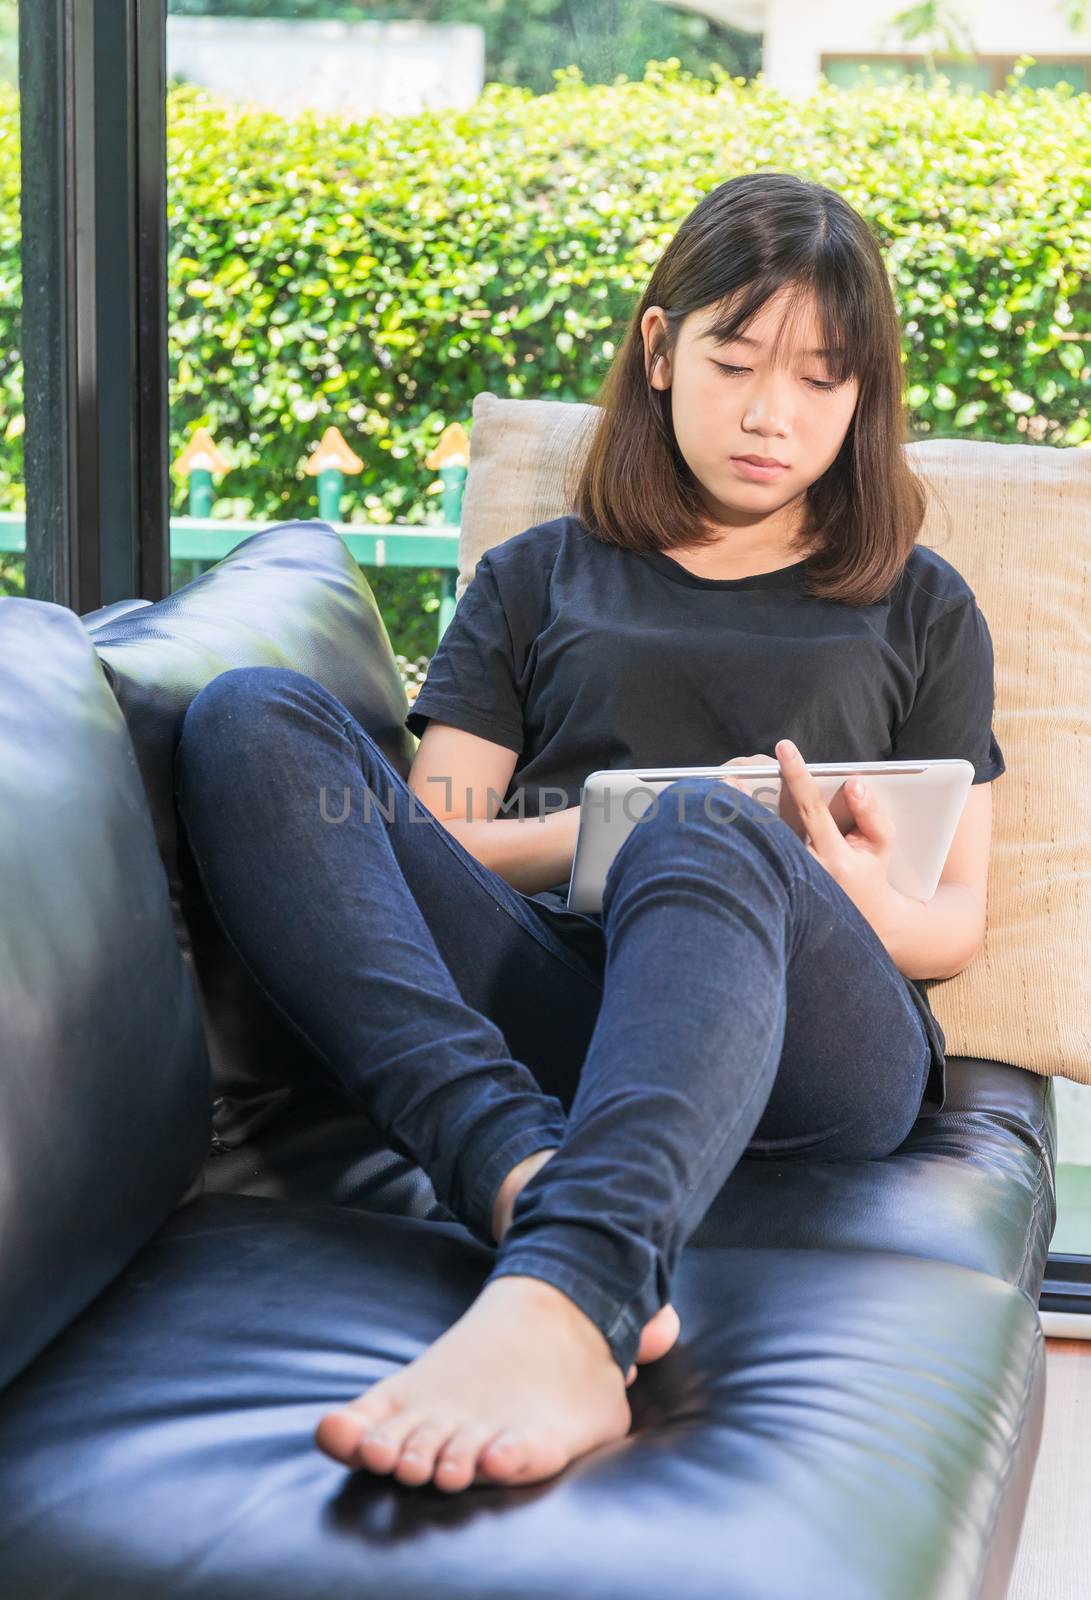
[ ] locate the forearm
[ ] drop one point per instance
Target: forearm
(933, 938)
(530, 853)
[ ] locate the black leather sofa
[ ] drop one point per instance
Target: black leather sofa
(205, 1245)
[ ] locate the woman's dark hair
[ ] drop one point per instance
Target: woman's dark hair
(744, 242)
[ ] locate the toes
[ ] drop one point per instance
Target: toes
(380, 1448)
(659, 1335)
(456, 1465)
(418, 1454)
(339, 1432)
(516, 1455)
(505, 1455)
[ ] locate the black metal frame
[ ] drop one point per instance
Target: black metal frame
(1067, 1285)
(92, 75)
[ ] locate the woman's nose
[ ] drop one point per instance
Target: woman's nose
(768, 406)
(770, 420)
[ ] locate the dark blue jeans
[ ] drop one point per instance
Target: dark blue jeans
(729, 1000)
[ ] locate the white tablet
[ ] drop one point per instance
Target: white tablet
(925, 799)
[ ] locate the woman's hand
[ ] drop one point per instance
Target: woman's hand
(747, 761)
(857, 860)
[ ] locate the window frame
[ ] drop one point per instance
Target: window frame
(92, 80)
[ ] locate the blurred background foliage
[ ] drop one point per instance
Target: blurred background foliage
(525, 38)
(378, 274)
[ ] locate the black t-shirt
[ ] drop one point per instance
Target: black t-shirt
(577, 655)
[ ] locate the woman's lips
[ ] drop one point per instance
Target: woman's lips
(749, 469)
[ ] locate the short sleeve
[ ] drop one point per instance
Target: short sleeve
(472, 680)
(952, 709)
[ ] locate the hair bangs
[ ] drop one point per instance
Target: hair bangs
(845, 336)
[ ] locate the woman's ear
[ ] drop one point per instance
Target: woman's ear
(653, 328)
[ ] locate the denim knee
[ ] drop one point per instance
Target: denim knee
(227, 720)
(230, 703)
(694, 827)
(699, 815)
(238, 690)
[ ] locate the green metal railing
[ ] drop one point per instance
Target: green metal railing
(199, 539)
(200, 542)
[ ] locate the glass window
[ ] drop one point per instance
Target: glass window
(296, 304)
(880, 69)
(1047, 74)
(847, 74)
(1073, 1232)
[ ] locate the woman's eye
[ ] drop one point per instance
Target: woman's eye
(815, 383)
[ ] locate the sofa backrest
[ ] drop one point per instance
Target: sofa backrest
(1015, 520)
(291, 595)
(103, 1072)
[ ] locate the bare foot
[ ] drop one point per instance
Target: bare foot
(514, 1390)
(660, 1333)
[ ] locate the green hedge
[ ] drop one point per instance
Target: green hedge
(378, 274)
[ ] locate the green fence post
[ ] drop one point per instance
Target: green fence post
(200, 491)
(451, 459)
(454, 484)
(329, 463)
(198, 461)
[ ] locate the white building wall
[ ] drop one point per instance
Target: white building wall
(355, 68)
(797, 32)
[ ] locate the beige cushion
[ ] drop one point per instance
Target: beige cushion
(1015, 520)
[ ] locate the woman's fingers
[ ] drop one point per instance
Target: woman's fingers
(747, 761)
(807, 797)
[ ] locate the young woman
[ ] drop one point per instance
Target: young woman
(740, 572)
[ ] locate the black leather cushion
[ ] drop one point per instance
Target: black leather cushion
(328, 1150)
(973, 1184)
(117, 608)
(293, 596)
(835, 1424)
(103, 1072)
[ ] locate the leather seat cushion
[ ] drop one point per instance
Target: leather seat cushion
(834, 1423)
(972, 1184)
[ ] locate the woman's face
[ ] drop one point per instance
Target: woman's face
(729, 401)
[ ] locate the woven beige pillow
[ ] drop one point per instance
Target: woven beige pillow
(1015, 520)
